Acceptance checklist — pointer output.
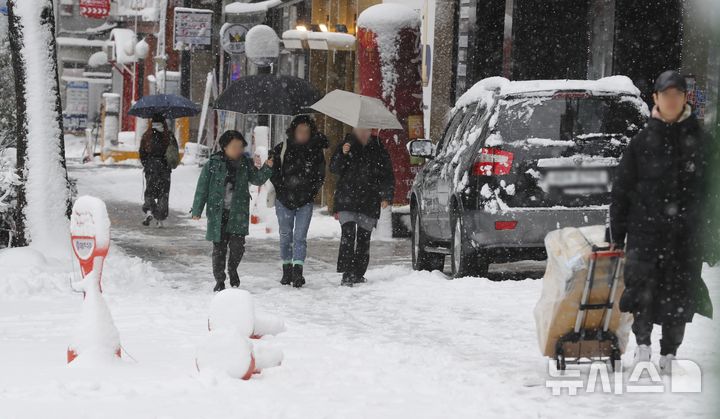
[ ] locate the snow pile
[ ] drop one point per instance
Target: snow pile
(234, 309)
(227, 348)
(258, 7)
(548, 142)
(149, 12)
(124, 45)
(28, 273)
(195, 154)
(482, 91)
(46, 188)
(226, 352)
(8, 181)
(98, 59)
(261, 42)
(578, 160)
(388, 17)
(386, 20)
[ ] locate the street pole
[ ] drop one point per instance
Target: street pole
(185, 65)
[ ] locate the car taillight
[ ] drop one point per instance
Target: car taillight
(492, 161)
(505, 225)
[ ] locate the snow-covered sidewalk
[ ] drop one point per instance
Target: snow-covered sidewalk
(406, 344)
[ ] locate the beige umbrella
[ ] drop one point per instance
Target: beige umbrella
(357, 110)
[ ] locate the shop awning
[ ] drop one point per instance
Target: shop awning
(298, 39)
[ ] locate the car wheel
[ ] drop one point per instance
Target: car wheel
(465, 260)
(422, 260)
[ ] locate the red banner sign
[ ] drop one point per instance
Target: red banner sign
(95, 9)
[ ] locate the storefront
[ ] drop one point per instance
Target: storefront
(527, 39)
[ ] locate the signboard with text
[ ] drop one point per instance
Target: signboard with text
(76, 105)
(193, 28)
(232, 38)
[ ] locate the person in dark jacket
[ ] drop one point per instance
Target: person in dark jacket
(223, 187)
(660, 202)
(365, 184)
(159, 156)
(297, 178)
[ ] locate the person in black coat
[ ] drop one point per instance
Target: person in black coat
(297, 179)
(660, 202)
(159, 155)
(365, 184)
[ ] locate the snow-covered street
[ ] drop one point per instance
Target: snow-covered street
(405, 344)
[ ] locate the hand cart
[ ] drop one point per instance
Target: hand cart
(601, 283)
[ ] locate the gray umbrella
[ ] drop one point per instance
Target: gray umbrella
(357, 110)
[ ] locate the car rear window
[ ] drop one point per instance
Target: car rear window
(564, 147)
(553, 127)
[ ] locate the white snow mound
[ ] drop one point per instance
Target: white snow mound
(388, 17)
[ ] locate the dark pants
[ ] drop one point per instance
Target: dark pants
(354, 254)
(157, 193)
(672, 334)
(236, 244)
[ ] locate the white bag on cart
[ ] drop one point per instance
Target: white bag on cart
(569, 253)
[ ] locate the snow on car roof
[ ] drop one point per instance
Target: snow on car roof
(485, 89)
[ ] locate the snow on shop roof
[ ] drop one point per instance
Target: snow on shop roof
(149, 13)
(259, 7)
(335, 40)
(102, 28)
(388, 17)
(124, 43)
(66, 41)
(295, 34)
(486, 88)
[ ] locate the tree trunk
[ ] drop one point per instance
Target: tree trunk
(18, 65)
(47, 18)
(44, 198)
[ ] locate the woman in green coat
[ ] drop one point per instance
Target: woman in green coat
(223, 187)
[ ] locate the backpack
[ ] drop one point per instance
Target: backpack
(172, 154)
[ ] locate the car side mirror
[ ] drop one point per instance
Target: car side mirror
(421, 148)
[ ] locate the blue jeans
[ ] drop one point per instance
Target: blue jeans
(294, 226)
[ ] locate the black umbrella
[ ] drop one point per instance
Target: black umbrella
(169, 106)
(268, 94)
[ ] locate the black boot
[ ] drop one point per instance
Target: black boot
(287, 277)
(219, 286)
(359, 279)
(148, 218)
(348, 279)
(297, 276)
(234, 279)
